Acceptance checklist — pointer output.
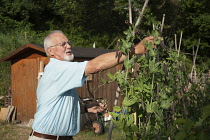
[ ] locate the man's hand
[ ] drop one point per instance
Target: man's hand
(140, 48)
(97, 108)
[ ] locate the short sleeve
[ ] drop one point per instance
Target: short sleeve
(64, 75)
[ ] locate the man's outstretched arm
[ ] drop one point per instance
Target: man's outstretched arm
(109, 60)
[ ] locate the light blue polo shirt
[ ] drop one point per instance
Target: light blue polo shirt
(58, 109)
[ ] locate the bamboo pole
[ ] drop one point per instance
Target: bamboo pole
(162, 24)
(180, 41)
(191, 73)
(26, 39)
(141, 13)
(175, 42)
(194, 61)
(130, 11)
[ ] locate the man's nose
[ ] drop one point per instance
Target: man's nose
(68, 45)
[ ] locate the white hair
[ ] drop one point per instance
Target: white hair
(48, 40)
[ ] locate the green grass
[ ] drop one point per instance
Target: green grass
(15, 132)
(89, 135)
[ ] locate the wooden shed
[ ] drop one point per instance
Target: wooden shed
(26, 62)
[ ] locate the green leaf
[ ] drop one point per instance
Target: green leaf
(129, 101)
(130, 120)
(117, 108)
(134, 128)
(142, 58)
(152, 66)
(128, 63)
(148, 45)
(114, 114)
(126, 44)
(155, 33)
(140, 116)
(117, 123)
(120, 123)
(206, 112)
(146, 90)
(151, 53)
(165, 104)
(104, 81)
(157, 41)
(151, 107)
(111, 76)
(180, 135)
(163, 95)
(159, 115)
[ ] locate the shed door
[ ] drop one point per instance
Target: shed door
(24, 83)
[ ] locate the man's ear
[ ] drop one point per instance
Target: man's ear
(50, 51)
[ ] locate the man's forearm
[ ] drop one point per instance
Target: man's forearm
(104, 61)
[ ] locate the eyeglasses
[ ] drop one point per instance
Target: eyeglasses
(63, 44)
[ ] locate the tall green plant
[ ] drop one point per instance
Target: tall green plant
(155, 90)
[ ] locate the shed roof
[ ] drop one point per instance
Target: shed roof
(77, 51)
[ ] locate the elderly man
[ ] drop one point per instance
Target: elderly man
(58, 108)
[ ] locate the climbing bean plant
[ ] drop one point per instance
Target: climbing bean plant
(158, 101)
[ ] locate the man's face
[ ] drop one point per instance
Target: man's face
(60, 49)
